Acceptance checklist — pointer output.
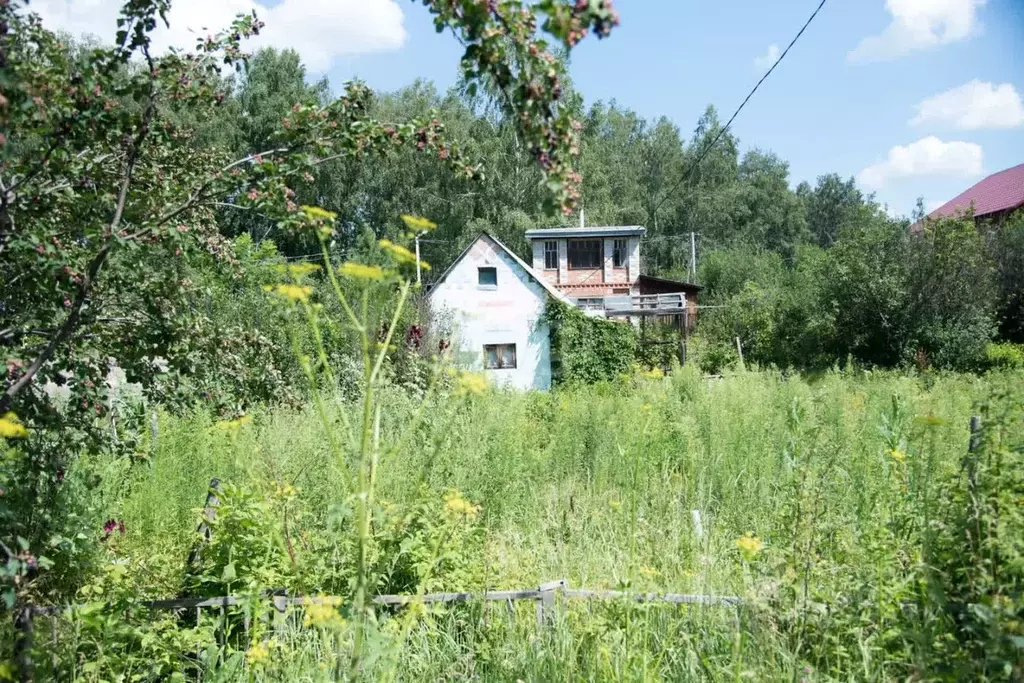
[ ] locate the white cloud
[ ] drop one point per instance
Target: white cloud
(919, 24)
(765, 61)
(972, 106)
(928, 156)
(319, 30)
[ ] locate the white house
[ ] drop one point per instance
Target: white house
(494, 303)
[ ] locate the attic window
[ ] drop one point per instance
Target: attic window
(584, 254)
(487, 277)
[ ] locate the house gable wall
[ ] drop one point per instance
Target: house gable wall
(509, 313)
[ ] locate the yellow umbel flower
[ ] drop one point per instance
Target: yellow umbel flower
(257, 654)
(11, 427)
(418, 223)
(321, 613)
(233, 425)
(318, 214)
(470, 383)
(897, 455)
(401, 254)
(290, 292)
(749, 545)
(361, 271)
(297, 270)
(459, 506)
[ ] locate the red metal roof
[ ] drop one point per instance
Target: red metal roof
(998, 192)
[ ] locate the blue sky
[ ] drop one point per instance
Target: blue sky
(845, 99)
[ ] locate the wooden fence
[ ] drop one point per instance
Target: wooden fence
(545, 597)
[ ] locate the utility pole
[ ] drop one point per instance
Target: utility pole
(693, 256)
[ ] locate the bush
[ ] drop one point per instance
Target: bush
(1005, 355)
(586, 349)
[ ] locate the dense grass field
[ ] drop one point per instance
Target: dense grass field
(822, 503)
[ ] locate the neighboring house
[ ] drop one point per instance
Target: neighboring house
(599, 270)
(993, 199)
(494, 303)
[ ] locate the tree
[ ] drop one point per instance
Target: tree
(105, 194)
(830, 206)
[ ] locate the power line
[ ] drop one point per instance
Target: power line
(746, 99)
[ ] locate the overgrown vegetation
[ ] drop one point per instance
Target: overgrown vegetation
(207, 275)
(587, 349)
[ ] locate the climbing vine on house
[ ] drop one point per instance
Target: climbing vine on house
(586, 349)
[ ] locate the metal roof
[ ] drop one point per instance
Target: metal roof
(597, 231)
(998, 192)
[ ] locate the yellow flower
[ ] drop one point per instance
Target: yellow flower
(654, 373)
(897, 455)
(749, 545)
(318, 214)
(470, 383)
(297, 270)
(257, 654)
(233, 425)
(11, 427)
(290, 292)
(417, 223)
(401, 254)
(459, 506)
(361, 271)
(322, 612)
(615, 504)
(649, 573)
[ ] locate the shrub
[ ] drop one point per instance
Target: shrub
(586, 349)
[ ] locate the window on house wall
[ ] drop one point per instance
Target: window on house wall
(551, 255)
(487, 277)
(584, 254)
(619, 253)
(500, 356)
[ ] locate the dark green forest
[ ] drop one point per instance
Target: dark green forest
(806, 277)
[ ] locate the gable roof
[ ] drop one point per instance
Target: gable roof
(529, 271)
(998, 192)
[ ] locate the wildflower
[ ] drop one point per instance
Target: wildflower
(322, 612)
(654, 373)
(897, 455)
(317, 214)
(649, 573)
(400, 254)
(749, 545)
(615, 504)
(298, 270)
(257, 654)
(361, 271)
(470, 383)
(459, 506)
(233, 425)
(11, 427)
(418, 223)
(290, 292)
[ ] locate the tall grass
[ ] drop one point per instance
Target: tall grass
(597, 485)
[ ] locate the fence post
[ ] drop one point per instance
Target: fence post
(971, 461)
(280, 605)
(23, 644)
(546, 602)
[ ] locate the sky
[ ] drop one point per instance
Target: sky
(913, 98)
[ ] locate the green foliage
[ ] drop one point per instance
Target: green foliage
(586, 349)
(1005, 355)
